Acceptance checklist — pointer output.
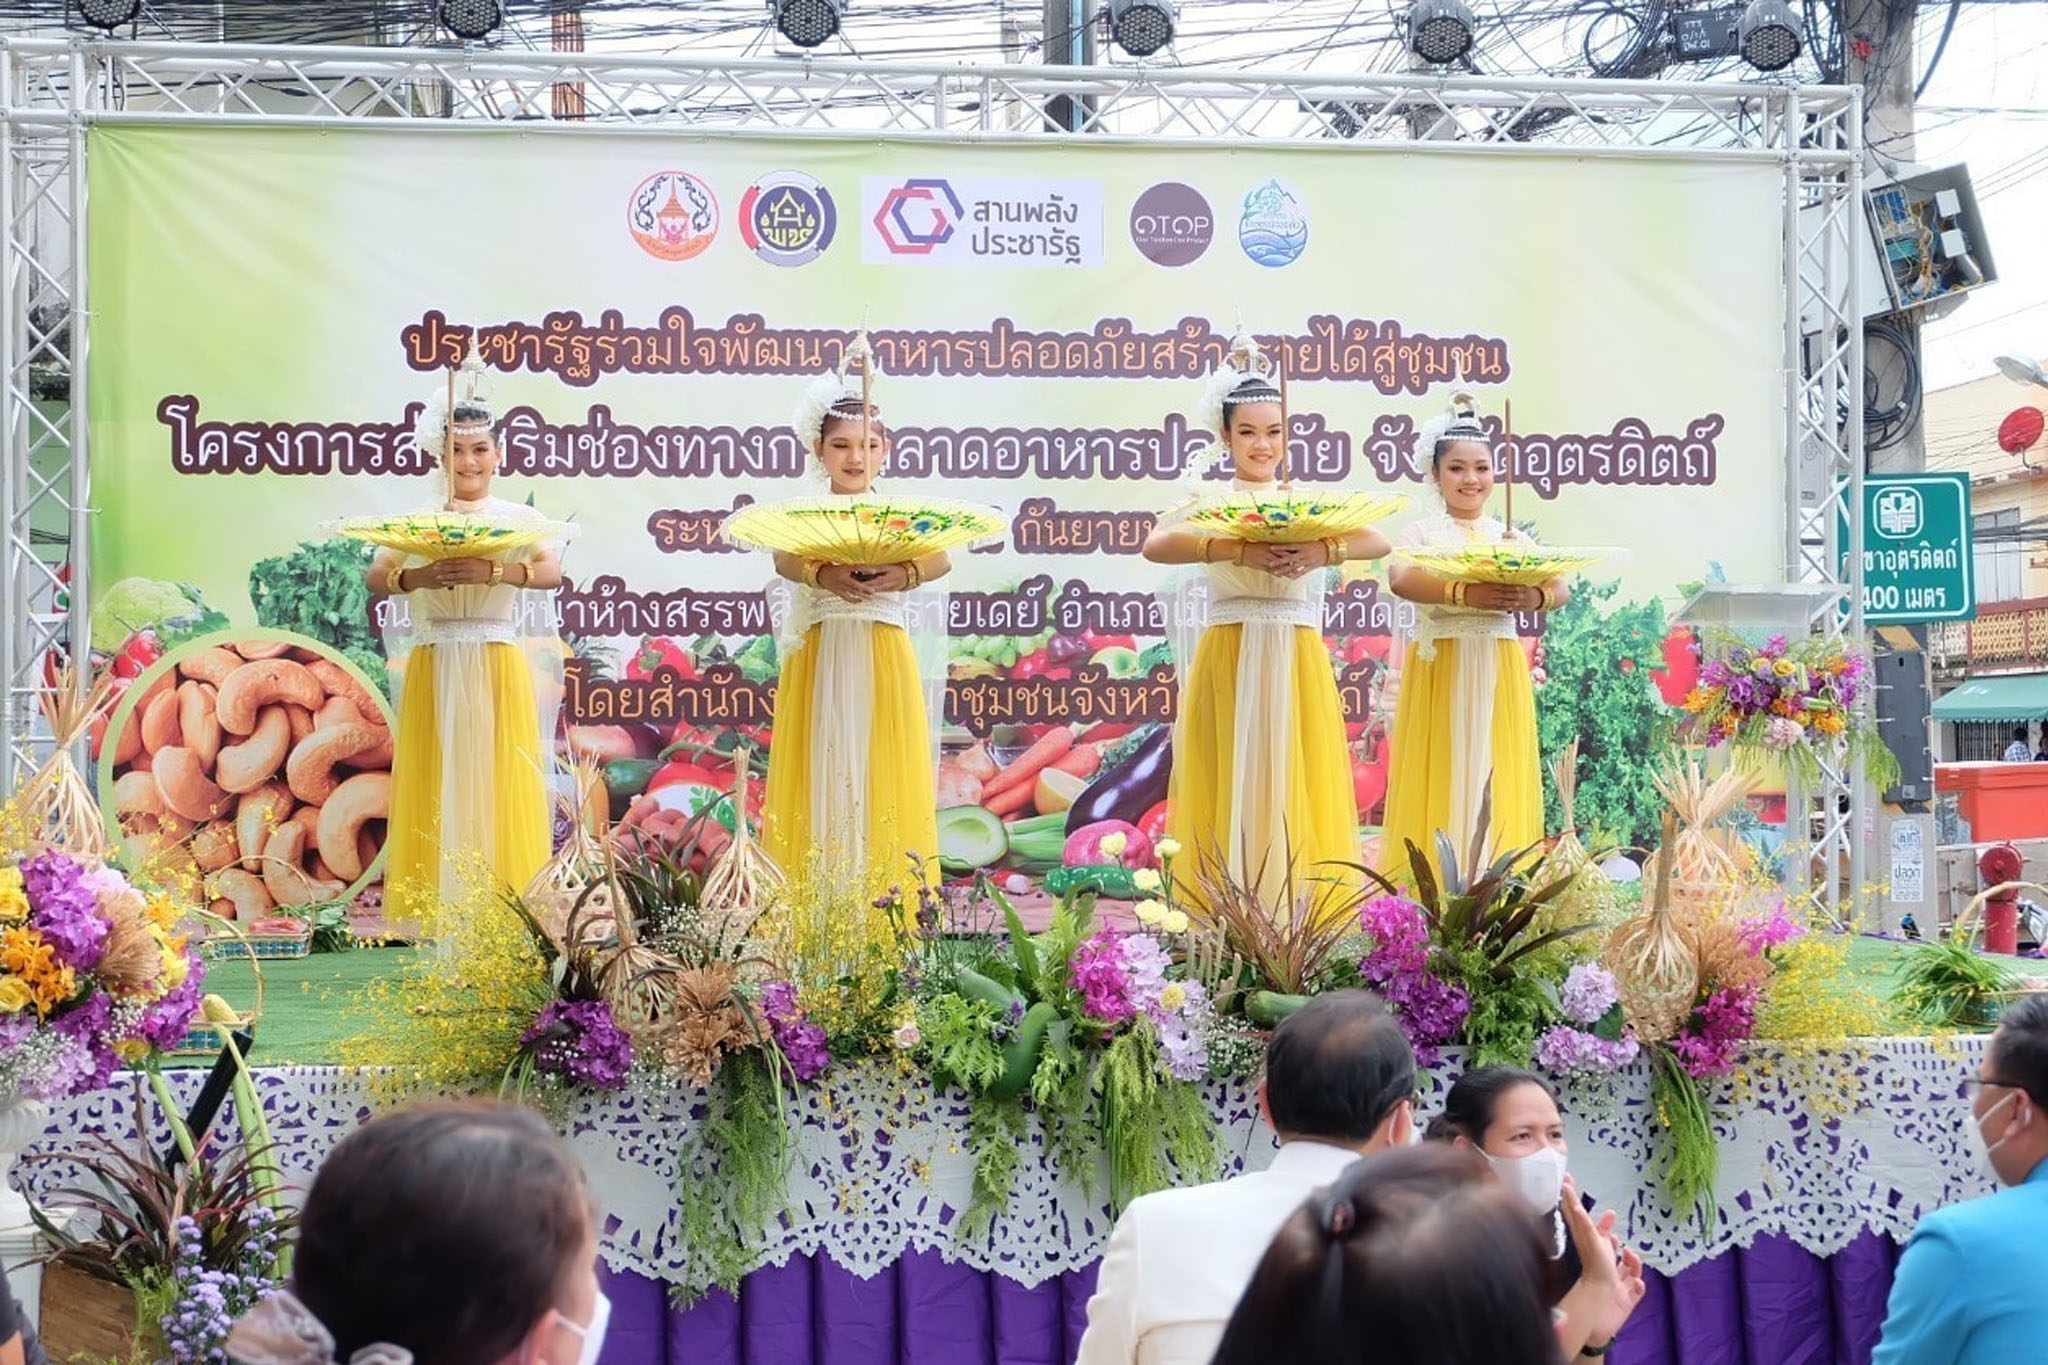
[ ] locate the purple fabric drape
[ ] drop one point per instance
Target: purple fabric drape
(1771, 1304)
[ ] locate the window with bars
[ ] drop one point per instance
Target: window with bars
(2000, 564)
(1980, 741)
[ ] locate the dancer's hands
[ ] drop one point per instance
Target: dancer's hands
(1502, 597)
(1281, 561)
(451, 573)
(849, 582)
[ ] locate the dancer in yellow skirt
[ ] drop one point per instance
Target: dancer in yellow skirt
(472, 748)
(851, 781)
(1261, 783)
(1465, 711)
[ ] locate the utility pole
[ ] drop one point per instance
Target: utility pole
(1069, 40)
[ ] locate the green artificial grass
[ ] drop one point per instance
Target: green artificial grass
(305, 1001)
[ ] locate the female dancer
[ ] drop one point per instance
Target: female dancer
(469, 776)
(1465, 715)
(850, 777)
(1261, 785)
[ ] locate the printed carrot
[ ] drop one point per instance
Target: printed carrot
(1006, 802)
(1082, 760)
(1025, 769)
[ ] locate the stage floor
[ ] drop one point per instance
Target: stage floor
(306, 1012)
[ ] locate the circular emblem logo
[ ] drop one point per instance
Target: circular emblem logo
(1273, 228)
(787, 218)
(1171, 224)
(673, 215)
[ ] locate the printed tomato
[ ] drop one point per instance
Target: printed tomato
(1681, 670)
(1153, 823)
(1031, 665)
(1369, 777)
(654, 654)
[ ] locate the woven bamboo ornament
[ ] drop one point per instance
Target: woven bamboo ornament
(1590, 897)
(1653, 964)
(1706, 882)
(57, 803)
(580, 863)
(744, 881)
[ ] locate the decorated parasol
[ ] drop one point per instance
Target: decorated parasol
(1508, 562)
(1284, 516)
(866, 528)
(450, 535)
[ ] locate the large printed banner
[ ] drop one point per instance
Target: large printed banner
(271, 307)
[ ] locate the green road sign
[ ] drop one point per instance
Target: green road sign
(1916, 549)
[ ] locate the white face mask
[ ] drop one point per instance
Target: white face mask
(1537, 1177)
(592, 1332)
(1991, 1148)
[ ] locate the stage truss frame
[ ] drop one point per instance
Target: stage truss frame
(55, 91)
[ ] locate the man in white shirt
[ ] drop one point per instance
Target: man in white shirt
(2017, 751)
(1340, 1082)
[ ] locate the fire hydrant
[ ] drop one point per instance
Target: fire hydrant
(2000, 866)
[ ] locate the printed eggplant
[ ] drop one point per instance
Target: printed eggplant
(1127, 789)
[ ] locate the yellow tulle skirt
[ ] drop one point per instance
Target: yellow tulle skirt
(1321, 821)
(1420, 757)
(902, 815)
(522, 829)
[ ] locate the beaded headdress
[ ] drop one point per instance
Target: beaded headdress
(1247, 375)
(1458, 422)
(839, 392)
(470, 403)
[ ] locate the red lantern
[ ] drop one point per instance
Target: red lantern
(2020, 430)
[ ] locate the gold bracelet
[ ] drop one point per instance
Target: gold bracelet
(394, 582)
(1237, 552)
(916, 576)
(1457, 595)
(1335, 550)
(525, 574)
(812, 568)
(497, 572)
(1209, 550)
(1553, 598)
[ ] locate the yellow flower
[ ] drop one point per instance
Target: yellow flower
(1167, 848)
(1784, 668)
(1113, 845)
(13, 899)
(1174, 996)
(176, 968)
(1150, 912)
(26, 954)
(15, 996)
(1145, 879)
(1176, 922)
(163, 912)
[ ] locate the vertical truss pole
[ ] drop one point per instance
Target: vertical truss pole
(14, 426)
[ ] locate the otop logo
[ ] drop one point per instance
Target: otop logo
(672, 215)
(918, 216)
(1171, 224)
(787, 218)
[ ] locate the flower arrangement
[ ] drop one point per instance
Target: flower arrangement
(94, 972)
(1594, 1038)
(1799, 701)
(1430, 1009)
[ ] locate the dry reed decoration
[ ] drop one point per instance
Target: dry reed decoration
(744, 881)
(580, 863)
(1655, 967)
(1589, 899)
(1706, 882)
(57, 802)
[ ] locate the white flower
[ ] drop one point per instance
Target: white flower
(1176, 922)
(1167, 848)
(1113, 845)
(1174, 996)
(1150, 912)
(1145, 879)
(908, 1036)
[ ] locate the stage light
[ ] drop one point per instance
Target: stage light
(807, 23)
(1439, 31)
(1141, 27)
(1769, 35)
(109, 14)
(472, 20)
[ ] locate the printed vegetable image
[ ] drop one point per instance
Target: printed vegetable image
(1599, 689)
(319, 591)
(970, 838)
(1085, 846)
(256, 769)
(1037, 843)
(172, 612)
(1126, 788)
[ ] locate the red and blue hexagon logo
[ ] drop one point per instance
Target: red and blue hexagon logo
(917, 216)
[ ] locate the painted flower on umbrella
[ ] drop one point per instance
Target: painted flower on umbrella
(579, 1040)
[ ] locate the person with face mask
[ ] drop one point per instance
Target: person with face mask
(455, 1233)
(1339, 1084)
(1968, 1289)
(1510, 1117)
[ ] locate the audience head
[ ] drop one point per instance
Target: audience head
(2010, 1103)
(460, 1233)
(1413, 1255)
(1339, 1070)
(1510, 1117)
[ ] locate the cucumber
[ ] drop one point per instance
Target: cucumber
(975, 986)
(970, 839)
(1270, 1007)
(1104, 879)
(1020, 1054)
